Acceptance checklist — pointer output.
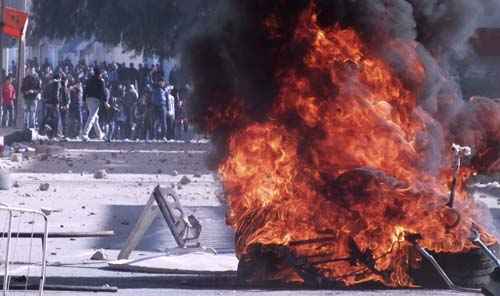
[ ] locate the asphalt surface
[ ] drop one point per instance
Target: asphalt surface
(116, 202)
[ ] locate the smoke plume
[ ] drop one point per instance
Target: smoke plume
(234, 61)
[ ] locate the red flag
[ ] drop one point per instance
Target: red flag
(15, 22)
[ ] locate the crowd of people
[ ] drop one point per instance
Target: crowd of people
(106, 101)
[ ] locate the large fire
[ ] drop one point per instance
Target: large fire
(340, 167)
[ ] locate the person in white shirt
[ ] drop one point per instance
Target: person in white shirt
(170, 114)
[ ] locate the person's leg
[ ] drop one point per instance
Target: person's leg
(79, 118)
(143, 129)
(130, 123)
(148, 128)
(163, 122)
(43, 120)
(29, 113)
(33, 115)
(71, 123)
(7, 116)
(50, 122)
(185, 125)
(56, 119)
(126, 127)
(139, 130)
(156, 123)
(112, 129)
(77, 122)
(60, 125)
(97, 127)
(64, 122)
(40, 113)
(26, 113)
(179, 130)
(170, 127)
(174, 127)
(105, 129)
(2, 119)
(92, 118)
(12, 117)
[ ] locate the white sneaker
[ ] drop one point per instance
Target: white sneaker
(85, 138)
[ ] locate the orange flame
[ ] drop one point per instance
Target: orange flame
(351, 170)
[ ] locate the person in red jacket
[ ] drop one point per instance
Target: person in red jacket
(9, 96)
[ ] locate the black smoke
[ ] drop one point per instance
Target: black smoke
(235, 61)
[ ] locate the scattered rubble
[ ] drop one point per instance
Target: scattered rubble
(44, 187)
(81, 196)
(101, 174)
(99, 255)
(184, 180)
(16, 157)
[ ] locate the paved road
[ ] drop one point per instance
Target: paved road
(190, 292)
(116, 202)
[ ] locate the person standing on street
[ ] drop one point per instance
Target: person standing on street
(31, 88)
(53, 95)
(170, 113)
(95, 97)
(148, 128)
(9, 96)
(130, 104)
(64, 107)
(160, 106)
(76, 109)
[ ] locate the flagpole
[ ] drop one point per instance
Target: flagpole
(20, 122)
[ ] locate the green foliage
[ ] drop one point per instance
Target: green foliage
(152, 26)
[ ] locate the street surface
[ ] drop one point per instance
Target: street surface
(76, 201)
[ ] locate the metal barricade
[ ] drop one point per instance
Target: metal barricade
(23, 250)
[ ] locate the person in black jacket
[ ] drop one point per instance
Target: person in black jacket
(64, 106)
(53, 93)
(95, 97)
(76, 109)
(31, 88)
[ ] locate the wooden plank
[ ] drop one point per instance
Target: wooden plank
(147, 217)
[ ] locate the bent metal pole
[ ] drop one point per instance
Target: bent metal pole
(2, 17)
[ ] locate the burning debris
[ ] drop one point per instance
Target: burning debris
(334, 125)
